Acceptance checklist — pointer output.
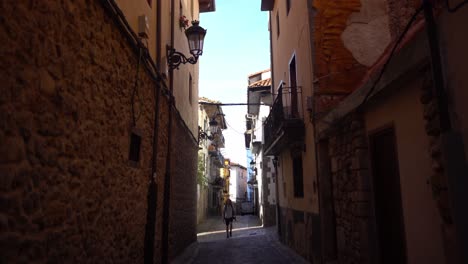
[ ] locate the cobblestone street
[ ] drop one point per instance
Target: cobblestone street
(250, 243)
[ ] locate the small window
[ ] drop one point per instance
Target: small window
(181, 13)
(298, 177)
(277, 24)
(190, 89)
(135, 144)
(288, 6)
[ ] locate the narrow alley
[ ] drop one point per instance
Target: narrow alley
(335, 131)
(250, 243)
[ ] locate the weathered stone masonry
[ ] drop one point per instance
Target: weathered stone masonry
(68, 192)
(300, 231)
(349, 159)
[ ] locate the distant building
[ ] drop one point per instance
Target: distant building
(263, 175)
(238, 184)
(211, 141)
(369, 129)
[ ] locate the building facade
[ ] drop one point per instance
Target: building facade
(95, 129)
(259, 99)
(288, 131)
(387, 137)
(212, 124)
(238, 185)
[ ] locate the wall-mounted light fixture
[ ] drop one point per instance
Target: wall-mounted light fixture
(212, 130)
(195, 36)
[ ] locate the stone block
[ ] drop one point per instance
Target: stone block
(362, 209)
(360, 196)
(426, 96)
(359, 142)
(360, 160)
(363, 179)
(334, 164)
(432, 126)
(47, 83)
(12, 150)
(437, 165)
(436, 149)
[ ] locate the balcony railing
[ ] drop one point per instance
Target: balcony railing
(285, 125)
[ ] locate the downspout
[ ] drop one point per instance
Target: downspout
(275, 164)
(452, 142)
(167, 176)
(158, 34)
(152, 196)
(320, 251)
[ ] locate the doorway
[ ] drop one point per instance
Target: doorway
(387, 197)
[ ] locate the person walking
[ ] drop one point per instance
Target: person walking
(229, 215)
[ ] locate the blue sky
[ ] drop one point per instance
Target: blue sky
(236, 45)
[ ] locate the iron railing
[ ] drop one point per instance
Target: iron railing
(287, 106)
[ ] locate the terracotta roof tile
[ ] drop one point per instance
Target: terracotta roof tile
(261, 83)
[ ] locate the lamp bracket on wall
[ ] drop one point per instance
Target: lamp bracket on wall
(175, 58)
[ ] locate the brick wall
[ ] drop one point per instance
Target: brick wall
(68, 192)
(351, 190)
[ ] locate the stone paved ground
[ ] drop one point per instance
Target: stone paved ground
(250, 243)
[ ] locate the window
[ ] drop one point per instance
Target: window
(288, 6)
(190, 89)
(298, 179)
(150, 2)
(294, 113)
(135, 143)
(277, 24)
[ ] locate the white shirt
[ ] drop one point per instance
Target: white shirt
(228, 211)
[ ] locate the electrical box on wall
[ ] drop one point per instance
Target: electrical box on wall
(143, 26)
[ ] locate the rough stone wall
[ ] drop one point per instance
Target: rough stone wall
(351, 190)
(301, 232)
(438, 179)
(67, 191)
(183, 217)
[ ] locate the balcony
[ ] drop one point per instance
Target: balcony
(216, 156)
(284, 127)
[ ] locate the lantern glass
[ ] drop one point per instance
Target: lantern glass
(213, 126)
(195, 36)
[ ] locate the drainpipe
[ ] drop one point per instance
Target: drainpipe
(275, 164)
(152, 187)
(150, 229)
(452, 143)
(167, 176)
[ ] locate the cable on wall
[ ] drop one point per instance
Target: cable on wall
(458, 6)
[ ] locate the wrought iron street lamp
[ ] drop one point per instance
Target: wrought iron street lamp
(212, 130)
(195, 36)
(213, 126)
